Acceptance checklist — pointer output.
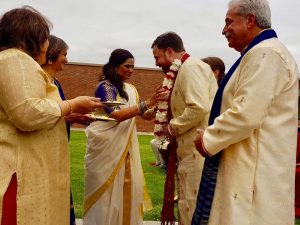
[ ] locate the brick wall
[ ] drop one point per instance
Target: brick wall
(81, 79)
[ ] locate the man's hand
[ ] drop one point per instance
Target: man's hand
(170, 132)
(198, 141)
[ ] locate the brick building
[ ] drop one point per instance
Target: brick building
(81, 79)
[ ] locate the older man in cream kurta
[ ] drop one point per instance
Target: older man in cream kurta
(33, 142)
(257, 169)
(256, 131)
(191, 100)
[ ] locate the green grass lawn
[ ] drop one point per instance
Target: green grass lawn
(154, 176)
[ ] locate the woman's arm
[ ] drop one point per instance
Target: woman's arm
(127, 113)
(80, 104)
(107, 92)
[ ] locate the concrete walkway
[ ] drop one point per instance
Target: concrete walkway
(79, 222)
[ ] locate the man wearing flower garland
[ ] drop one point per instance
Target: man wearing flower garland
(250, 146)
(189, 88)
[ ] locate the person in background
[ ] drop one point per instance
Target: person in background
(56, 58)
(190, 87)
(250, 143)
(34, 162)
(115, 190)
(217, 65)
(159, 161)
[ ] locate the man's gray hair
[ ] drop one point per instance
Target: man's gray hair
(259, 8)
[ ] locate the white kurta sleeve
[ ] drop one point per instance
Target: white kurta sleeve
(260, 81)
(24, 94)
(194, 85)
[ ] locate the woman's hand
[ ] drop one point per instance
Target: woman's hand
(150, 102)
(163, 94)
(85, 104)
(159, 95)
(81, 104)
(79, 118)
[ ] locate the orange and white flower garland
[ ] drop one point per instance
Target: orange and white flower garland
(161, 117)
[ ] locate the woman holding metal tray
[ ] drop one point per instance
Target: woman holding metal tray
(114, 191)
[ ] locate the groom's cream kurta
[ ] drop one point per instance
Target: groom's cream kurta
(191, 101)
(257, 129)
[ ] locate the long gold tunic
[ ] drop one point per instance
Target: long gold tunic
(33, 141)
(191, 101)
(257, 129)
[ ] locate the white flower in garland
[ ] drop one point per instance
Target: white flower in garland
(168, 83)
(161, 118)
(176, 65)
(162, 105)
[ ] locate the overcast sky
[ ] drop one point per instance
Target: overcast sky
(93, 28)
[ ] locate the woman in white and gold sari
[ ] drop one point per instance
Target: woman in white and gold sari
(114, 191)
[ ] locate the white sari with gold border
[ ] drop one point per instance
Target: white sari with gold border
(114, 187)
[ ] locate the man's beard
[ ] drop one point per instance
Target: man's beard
(165, 69)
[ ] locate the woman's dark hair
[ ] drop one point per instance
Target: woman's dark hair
(56, 45)
(117, 57)
(216, 64)
(24, 28)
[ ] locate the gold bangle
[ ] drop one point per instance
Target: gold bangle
(70, 106)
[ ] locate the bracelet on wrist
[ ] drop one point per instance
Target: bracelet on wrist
(70, 107)
(142, 108)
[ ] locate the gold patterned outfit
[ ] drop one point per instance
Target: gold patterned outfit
(33, 142)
